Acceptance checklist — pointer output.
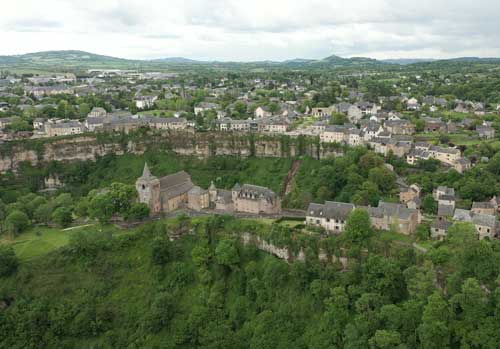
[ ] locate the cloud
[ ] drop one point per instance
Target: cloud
(253, 30)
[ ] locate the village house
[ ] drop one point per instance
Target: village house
(367, 108)
(399, 127)
(354, 114)
(4, 122)
(273, 125)
(397, 217)
(412, 104)
(322, 112)
(204, 107)
(262, 112)
(372, 130)
(42, 91)
(144, 102)
(64, 128)
(123, 123)
(439, 228)
(485, 207)
(486, 225)
(97, 112)
(333, 134)
(434, 125)
(255, 199)
(332, 216)
(319, 126)
(167, 123)
(485, 131)
(410, 193)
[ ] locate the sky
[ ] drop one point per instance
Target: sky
(242, 30)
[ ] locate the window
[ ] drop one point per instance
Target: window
(143, 187)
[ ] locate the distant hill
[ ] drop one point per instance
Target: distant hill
(59, 56)
(72, 59)
(177, 60)
(405, 61)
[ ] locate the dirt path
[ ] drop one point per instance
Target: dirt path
(287, 188)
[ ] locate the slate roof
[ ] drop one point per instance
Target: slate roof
(332, 210)
(462, 215)
(254, 192)
(484, 220)
(176, 184)
(445, 210)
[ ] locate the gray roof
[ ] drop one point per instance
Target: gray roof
(462, 215)
(176, 184)
(331, 209)
(442, 224)
(254, 192)
(485, 220)
(392, 209)
(445, 210)
(483, 204)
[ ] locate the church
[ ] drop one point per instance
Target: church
(175, 191)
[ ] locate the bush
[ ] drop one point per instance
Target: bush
(8, 261)
(137, 211)
(16, 222)
(160, 251)
(62, 216)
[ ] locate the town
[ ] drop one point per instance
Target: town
(413, 126)
(329, 203)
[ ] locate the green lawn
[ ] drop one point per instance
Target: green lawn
(38, 241)
(41, 240)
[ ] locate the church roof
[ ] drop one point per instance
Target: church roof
(176, 184)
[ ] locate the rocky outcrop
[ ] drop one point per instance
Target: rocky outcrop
(286, 253)
(200, 144)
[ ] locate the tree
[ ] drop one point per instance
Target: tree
(227, 254)
(101, 207)
(384, 178)
(433, 331)
(429, 205)
(160, 313)
(8, 261)
(121, 196)
(358, 229)
(16, 222)
(137, 211)
(423, 232)
(368, 194)
(384, 339)
(62, 216)
(161, 251)
(43, 213)
(339, 119)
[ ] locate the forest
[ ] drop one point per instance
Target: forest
(137, 289)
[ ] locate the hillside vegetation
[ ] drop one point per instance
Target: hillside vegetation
(137, 289)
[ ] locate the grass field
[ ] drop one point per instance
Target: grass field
(41, 240)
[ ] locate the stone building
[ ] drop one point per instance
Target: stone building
(175, 191)
(164, 194)
(255, 199)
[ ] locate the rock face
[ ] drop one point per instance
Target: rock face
(201, 144)
(286, 254)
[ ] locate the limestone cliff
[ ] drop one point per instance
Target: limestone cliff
(199, 144)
